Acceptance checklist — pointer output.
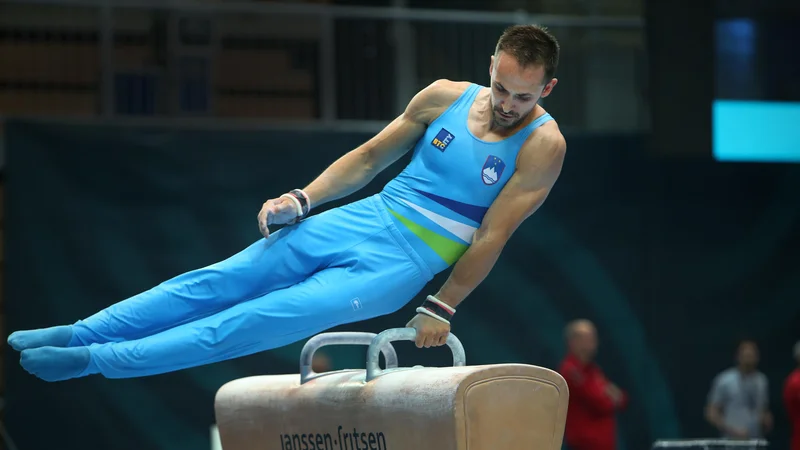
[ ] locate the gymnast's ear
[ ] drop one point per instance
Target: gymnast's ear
(548, 88)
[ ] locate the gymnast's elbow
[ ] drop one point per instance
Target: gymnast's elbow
(490, 238)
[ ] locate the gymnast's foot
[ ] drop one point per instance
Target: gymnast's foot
(56, 364)
(43, 337)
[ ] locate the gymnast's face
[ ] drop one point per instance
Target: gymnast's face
(515, 89)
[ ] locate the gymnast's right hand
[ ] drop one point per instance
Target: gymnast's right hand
(276, 211)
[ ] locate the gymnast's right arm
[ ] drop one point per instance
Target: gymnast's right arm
(358, 167)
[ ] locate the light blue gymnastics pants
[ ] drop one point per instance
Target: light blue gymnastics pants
(343, 265)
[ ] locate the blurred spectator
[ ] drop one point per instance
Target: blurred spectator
(791, 398)
(738, 404)
(593, 400)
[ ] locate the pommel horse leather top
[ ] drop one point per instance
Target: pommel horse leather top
(488, 407)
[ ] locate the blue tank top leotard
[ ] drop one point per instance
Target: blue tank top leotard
(440, 198)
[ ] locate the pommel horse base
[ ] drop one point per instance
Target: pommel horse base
(489, 407)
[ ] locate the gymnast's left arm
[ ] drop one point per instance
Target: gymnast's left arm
(539, 165)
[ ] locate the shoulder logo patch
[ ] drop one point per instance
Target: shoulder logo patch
(442, 139)
(492, 170)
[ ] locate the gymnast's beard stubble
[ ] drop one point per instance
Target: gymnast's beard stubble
(506, 122)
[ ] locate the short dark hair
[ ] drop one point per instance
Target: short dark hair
(531, 45)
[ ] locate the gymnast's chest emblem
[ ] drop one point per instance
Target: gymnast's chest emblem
(443, 139)
(492, 170)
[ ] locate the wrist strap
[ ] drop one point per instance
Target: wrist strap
(437, 309)
(301, 202)
(428, 312)
(450, 310)
(304, 199)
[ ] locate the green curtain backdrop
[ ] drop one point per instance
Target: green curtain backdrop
(674, 260)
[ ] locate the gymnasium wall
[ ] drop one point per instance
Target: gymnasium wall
(674, 260)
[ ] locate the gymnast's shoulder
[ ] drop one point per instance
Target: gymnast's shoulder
(546, 141)
(446, 90)
(436, 97)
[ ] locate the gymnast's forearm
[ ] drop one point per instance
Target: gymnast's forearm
(345, 176)
(471, 269)
(358, 167)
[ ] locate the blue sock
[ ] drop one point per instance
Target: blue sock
(57, 364)
(44, 337)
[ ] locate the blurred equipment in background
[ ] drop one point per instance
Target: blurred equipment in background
(594, 400)
(712, 444)
(288, 61)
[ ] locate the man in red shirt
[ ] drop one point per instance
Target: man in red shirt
(593, 400)
(791, 398)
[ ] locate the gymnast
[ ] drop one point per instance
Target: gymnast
(484, 159)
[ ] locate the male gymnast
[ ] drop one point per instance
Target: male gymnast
(484, 159)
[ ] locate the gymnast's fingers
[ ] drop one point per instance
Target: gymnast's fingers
(264, 229)
(270, 213)
(260, 216)
(264, 219)
(442, 339)
(260, 220)
(419, 341)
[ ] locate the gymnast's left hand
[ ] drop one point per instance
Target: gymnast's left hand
(430, 332)
(276, 211)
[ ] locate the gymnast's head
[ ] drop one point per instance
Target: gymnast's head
(522, 71)
(581, 337)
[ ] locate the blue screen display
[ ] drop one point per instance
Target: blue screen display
(756, 131)
(756, 111)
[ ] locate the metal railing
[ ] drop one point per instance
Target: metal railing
(291, 62)
(712, 444)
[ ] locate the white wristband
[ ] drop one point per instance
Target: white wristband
(297, 205)
(444, 305)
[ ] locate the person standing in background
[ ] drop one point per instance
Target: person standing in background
(593, 401)
(791, 399)
(738, 404)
